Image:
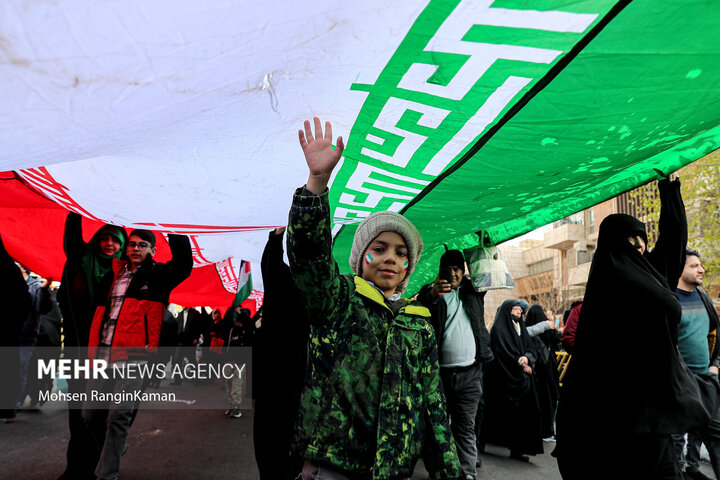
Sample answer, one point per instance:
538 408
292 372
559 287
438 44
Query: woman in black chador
511 418
546 374
621 400
86 282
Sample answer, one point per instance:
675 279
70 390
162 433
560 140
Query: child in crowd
373 403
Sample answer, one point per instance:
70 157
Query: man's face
109 244
638 243
385 262
693 272
456 276
138 250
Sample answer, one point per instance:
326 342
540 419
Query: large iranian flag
463 115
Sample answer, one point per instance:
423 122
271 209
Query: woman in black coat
86 282
512 417
278 377
619 406
630 399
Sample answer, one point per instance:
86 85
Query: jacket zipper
147 337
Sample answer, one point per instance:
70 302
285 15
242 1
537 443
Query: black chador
546 374
627 389
512 416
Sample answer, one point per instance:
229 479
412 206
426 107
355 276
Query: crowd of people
371 381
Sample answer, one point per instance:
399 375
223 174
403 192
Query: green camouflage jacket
373 401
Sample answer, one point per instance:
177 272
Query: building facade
553 271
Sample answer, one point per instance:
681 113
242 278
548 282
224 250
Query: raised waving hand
319 154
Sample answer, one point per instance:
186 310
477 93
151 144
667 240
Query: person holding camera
463 346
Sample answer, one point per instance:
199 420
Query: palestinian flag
245 285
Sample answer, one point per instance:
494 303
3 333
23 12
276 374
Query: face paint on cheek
405 265
368 258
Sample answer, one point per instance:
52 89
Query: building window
541 266
584 257
574 219
591 221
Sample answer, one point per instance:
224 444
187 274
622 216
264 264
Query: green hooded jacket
373 401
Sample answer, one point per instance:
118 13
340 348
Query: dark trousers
109 426
479 415
710 436
463 390
82 454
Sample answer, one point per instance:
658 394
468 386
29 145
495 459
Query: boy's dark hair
689 252
146 235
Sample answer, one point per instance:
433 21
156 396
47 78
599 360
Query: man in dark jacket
463 346
130 323
41 304
190 326
698 345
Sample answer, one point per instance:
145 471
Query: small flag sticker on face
405 265
368 258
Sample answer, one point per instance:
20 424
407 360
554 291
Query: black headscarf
508 347
535 315
643 387
541 342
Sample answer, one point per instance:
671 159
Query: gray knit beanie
378 223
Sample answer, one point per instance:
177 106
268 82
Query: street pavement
186 444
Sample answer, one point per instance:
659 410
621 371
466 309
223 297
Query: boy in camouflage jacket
373 402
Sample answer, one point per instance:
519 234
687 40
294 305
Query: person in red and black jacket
130 322
568 334
132 317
